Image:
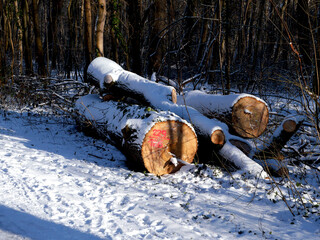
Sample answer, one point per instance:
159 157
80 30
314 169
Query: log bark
245 115
242 145
151 140
111 77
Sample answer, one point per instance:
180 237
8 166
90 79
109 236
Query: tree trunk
114 24
88 35
246 115
157 37
228 46
135 34
2 43
20 36
303 30
57 7
27 53
189 28
100 27
257 44
37 33
152 140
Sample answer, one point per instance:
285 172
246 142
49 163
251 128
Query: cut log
270 155
127 82
111 77
246 115
152 140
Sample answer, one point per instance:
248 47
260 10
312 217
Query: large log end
165 140
250 117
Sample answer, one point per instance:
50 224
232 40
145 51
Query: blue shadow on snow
29 226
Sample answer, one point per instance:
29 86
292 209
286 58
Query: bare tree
54 19
20 35
303 30
135 32
100 27
27 53
37 33
2 42
88 34
157 36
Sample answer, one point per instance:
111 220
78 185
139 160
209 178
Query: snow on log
111 77
240 160
153 140
269 155
246 115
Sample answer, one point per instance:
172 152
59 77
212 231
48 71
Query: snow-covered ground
57 183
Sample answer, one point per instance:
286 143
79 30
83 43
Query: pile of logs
161 131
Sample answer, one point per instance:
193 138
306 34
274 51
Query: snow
56 183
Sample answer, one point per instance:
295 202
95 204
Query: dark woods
230 44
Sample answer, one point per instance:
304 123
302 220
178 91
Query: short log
270 156
150 139
246 115
272 148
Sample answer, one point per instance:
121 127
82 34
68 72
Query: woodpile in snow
161 131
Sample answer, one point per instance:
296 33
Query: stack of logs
162 131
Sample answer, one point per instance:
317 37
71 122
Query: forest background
237 45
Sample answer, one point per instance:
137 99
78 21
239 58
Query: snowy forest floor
57 183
